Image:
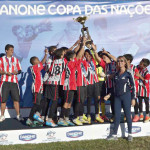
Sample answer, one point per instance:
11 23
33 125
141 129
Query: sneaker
62 123
111 119
37 123
141 117
77 122
30 123
146 119
83 121
112 137
2 118
38 118
19 118
99 119
105 118
136 118
69 123
51 123
89 120
84 117
130 138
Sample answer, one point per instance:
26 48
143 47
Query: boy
9 69
143 87
37 88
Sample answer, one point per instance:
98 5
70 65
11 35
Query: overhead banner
118 26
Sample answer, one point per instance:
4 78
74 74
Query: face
36 61
10 52
73 57
87 56
121 63
106 59
141 65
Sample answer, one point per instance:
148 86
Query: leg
17 107
146 99
140 104
117 109
3 107
136 107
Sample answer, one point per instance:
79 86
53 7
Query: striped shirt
143 85
9 65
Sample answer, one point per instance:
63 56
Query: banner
118 26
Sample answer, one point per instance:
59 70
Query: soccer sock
103 108
52 109
67 113
63 111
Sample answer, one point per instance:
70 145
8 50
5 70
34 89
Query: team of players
74 75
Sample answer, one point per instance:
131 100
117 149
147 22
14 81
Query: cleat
105 118
146 119
62 123
30 123
99 119
2 118
89 120
51 123
69 123
136 118
77 122
38 118
84 117
141 117
83 121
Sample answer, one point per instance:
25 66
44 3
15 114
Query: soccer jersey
37 86
57 72
143 85
70 75
9 65
92 76
47 67
81 72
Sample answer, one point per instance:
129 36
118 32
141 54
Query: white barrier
89 132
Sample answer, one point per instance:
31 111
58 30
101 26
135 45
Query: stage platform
15 132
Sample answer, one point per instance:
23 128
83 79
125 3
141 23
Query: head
88 55
65 49
59 53
129 58
51 49
34 60
70 55
9 49
144 63
105 57
2 54
122 62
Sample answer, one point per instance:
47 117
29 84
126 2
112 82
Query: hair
128 57
69 55
58 53
32 59
88 51
8 46
125 60
51 48
145 62
2 54
64 48
101 54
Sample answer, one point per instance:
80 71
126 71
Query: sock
103 108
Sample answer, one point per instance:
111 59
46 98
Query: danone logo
135 129
27 137
74 134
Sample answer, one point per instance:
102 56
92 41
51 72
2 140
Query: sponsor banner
89 132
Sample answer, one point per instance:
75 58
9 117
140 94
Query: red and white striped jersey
110 69
70 75
9 65
37 85
143 85
92 76
57 72
81 72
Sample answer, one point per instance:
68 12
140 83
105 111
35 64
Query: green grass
142 143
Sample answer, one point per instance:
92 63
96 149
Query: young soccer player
56 78
9 69
92 87
143 87
37 89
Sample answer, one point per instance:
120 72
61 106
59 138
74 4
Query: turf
142 143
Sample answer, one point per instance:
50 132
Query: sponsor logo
74 134
135 129
3 137
50 136
27 137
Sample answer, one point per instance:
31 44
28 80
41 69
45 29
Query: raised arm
45 56
111 56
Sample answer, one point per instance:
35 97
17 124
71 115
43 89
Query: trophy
84 30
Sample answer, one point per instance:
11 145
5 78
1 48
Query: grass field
142 143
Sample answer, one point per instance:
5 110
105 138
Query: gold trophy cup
84 30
